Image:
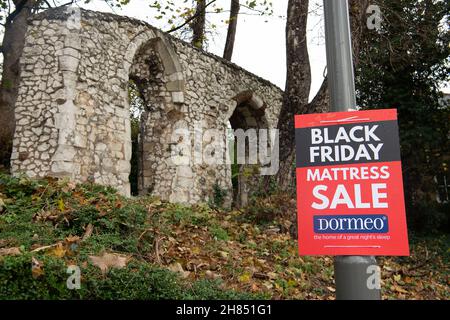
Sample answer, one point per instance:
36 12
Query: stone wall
72 112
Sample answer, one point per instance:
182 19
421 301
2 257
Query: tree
191 22
298 81
232 27
402 66
198 24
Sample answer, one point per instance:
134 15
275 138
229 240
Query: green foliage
138 281
33 217
219 233
207 290
177 214
260 213
136 109
17 281
430 217
219 196
176 18
402 66
49 232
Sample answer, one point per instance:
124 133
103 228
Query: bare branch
191 18
18 7
261 12
48 4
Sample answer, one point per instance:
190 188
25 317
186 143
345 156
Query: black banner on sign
348 144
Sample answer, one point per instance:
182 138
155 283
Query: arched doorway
156 84
247 121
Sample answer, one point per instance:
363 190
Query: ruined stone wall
72 112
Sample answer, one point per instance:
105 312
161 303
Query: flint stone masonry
72 111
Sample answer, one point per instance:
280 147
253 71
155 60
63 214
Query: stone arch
159 78
249 113
72 111
172 67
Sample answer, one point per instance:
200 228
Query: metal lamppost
351 272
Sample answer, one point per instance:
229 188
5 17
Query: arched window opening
136 109
249 116
232 148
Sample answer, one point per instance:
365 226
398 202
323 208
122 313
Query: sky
259 45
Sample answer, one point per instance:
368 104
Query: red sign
349 184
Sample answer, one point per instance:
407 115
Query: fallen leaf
61 205
261 276
224 254
292 283
400 289
36 268
331 289
211 275
408 280
59 251
177 268
387 268
2 205
268 285
244 278
71 185
255 288
72 239
15 251
109 260
397 278
88 232
44 248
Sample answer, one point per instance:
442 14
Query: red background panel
397 245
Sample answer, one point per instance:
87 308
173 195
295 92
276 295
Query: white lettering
318 195
341 197
376 195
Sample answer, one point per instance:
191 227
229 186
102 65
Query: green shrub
210 290
219 233
429 218
219 196
37 213
138 281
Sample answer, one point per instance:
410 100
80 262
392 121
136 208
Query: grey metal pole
350 272
339 55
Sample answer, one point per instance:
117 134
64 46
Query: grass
174 251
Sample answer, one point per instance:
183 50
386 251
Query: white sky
259 46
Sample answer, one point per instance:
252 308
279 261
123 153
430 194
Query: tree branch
261 12
191 18
18 7
47 3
